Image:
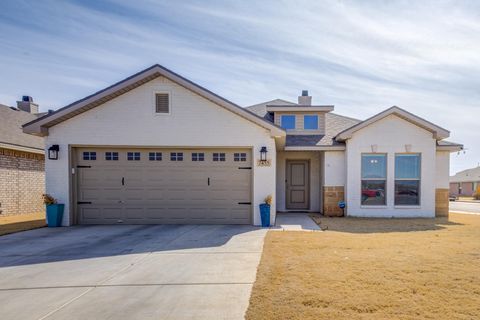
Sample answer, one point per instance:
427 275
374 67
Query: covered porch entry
310 181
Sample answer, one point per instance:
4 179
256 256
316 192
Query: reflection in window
407 179
374 177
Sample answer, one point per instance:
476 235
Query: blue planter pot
55 215
265 214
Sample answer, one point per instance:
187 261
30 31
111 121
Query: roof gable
41 125
437 131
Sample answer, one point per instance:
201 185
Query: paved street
465 207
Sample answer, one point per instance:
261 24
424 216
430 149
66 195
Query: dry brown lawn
371 269
11 224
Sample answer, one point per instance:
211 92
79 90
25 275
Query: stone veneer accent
22 182
331 197
441 202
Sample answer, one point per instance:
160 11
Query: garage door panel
143 191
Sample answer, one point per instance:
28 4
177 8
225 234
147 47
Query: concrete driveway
129 272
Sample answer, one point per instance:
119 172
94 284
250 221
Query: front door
298 185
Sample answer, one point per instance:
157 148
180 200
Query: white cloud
361 56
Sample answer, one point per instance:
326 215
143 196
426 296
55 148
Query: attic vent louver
162 103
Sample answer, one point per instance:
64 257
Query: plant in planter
54 211
265 211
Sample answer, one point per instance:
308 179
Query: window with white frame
407 179
374 179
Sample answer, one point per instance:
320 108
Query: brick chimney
27 105
305 99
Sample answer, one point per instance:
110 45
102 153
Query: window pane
407 192
407 166
310 122
373 192
374 166
288 122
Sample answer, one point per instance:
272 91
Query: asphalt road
466 207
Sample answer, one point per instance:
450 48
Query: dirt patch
12 224
371 269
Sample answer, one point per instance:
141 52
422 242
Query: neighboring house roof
11 134
469 175
41 125
438 132
261 108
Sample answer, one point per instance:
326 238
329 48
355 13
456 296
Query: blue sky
361 56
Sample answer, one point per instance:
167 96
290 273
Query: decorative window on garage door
240 157
176 156
111 156
89 155
219 156
133 156
198 156
155 156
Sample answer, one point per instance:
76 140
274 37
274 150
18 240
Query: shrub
48 199
268 200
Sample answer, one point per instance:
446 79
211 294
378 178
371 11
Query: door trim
308 187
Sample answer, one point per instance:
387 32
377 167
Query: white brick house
157 148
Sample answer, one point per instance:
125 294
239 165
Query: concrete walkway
295 222
129 272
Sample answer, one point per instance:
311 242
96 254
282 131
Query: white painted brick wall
391 134
130 120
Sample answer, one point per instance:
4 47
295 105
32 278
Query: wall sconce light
263 155
53 152
374 148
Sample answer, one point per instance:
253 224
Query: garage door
155 186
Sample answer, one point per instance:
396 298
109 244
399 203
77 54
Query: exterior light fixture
53 152
263 155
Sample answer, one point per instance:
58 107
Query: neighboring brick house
465 182
22 161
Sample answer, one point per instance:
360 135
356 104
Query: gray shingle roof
469 175
11 133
